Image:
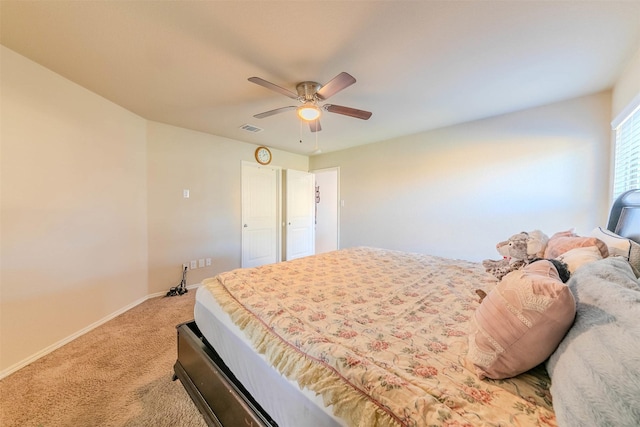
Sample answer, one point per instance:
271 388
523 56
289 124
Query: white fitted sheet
282 398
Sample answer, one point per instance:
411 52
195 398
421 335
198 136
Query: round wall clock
263 155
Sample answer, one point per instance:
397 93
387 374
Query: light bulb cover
308 112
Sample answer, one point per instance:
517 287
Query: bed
373 337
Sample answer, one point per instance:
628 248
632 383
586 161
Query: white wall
627 88
457 191
74 208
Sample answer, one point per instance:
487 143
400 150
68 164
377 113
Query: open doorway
327 209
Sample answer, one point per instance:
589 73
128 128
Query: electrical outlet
185 265
208 262
201 263
194 264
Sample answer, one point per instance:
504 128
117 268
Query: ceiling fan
310 94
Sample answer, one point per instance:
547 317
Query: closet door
299 214
260 215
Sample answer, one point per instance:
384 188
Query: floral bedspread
382 336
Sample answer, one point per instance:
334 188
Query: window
627 150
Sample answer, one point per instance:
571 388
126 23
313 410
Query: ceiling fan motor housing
307 90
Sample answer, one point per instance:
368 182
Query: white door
327 209
260 213
299 211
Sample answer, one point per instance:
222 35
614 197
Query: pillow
567 233
595 380
520 322
577 257
560 244
619 246
634 255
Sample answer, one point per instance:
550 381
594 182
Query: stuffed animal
517 252
563 273
562 268
524 245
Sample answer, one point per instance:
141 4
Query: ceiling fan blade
346 111
314 125
276 111
276 88
336 84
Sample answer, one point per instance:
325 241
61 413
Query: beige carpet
119 374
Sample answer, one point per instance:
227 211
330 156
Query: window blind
627 154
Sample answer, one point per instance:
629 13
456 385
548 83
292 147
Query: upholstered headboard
624 219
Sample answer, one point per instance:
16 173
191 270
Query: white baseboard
13 368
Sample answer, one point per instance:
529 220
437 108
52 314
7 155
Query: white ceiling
419 65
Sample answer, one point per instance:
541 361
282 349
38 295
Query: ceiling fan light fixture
308 112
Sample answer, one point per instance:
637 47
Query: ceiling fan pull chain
316 141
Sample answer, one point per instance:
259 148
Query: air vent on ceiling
251 128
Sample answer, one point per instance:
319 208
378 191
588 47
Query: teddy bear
518 251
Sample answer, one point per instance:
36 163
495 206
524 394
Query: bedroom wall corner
207 224
73 203
627 87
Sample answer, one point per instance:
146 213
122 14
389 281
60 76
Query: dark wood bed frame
220 397
224 402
